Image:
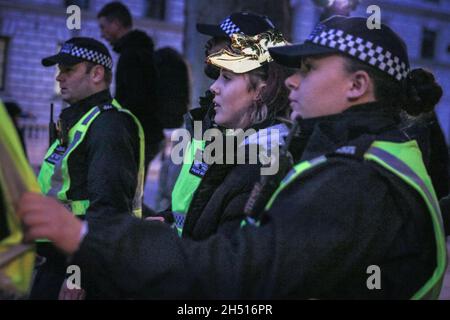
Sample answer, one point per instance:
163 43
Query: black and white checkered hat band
229 27
91 55
365 51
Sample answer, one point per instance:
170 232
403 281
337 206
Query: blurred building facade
33 29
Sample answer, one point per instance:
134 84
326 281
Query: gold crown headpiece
247 52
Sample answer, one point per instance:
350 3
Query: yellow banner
16 177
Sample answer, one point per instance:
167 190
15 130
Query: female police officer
356 218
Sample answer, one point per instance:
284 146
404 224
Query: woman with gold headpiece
250 98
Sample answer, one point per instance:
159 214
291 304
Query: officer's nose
293 81
59 77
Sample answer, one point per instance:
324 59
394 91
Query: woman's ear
360 86
259 90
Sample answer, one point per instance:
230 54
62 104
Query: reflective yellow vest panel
186 184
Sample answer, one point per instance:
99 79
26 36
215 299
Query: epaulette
354 149
358 147
106 107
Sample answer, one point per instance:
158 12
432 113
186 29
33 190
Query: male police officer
95 166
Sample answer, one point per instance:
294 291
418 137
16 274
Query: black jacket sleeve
321 235
113 157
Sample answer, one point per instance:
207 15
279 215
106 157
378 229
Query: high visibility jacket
405 161
16 177
188 180
54 177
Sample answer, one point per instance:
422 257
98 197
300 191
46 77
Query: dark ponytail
422 92
418 93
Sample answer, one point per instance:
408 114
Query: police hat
247 23
380 48
81 49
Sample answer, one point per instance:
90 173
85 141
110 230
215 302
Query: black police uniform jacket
318 239
105 166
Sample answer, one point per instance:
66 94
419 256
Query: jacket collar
264 136
74 112
203 114
326 134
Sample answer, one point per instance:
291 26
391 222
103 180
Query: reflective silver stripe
403 168
318 160
312 163
288 176
57 179
90 116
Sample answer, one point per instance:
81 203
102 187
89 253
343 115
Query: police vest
16 177
54 177
405 161
188 180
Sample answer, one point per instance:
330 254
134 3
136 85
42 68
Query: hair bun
422 92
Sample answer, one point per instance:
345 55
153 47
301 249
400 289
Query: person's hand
71 294
46 218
